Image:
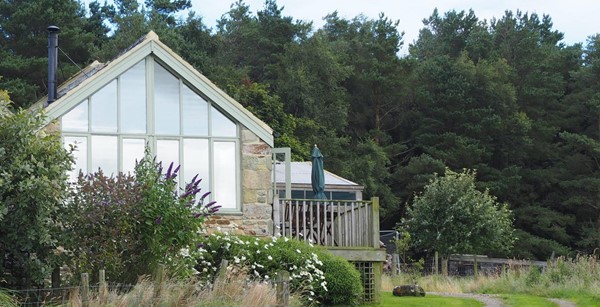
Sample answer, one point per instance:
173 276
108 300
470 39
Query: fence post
283 289
158 280
475 267
445 266
435 262
395 264
85 290
223 270
102 289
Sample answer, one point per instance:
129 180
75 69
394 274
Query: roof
96 75
301 173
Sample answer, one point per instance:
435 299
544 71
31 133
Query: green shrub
33 186
315 273
344 286
130 224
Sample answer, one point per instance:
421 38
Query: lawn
388 300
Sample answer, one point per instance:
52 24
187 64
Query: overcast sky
577 19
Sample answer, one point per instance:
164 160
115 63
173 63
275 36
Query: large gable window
149 104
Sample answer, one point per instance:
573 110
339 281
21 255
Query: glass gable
148 104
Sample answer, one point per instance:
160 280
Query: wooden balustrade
330 223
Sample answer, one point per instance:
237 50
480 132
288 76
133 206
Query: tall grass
562 278
232 290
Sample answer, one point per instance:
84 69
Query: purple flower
159 220
201 245
210 204
204 196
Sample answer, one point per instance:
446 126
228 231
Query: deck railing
339 223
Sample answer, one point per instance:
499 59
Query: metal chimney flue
52 62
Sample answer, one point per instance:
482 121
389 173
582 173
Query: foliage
505 96
452 217
130 224
33 166
314 272
8 300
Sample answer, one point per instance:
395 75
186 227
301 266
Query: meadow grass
576 279
232 290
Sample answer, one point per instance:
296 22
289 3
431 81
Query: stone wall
256 217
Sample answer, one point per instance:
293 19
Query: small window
166 101
195 113
224 190
105 154
133 99
104 108
80 155
221 125
77 119
133 150
195 162
167 152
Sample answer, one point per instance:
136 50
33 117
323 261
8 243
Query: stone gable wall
256 217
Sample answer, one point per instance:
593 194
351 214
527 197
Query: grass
388 300
526 300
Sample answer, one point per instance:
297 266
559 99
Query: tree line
506 97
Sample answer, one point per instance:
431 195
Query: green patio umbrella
317 178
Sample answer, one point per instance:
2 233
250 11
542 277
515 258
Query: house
150 96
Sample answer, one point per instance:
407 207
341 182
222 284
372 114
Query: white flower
286 239
270 258
298 251
236 259
185 252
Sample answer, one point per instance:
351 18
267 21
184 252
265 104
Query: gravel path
492 300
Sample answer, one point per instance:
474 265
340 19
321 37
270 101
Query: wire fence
150 291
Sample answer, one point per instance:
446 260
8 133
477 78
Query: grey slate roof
301 171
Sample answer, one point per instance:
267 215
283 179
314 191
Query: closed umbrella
317 175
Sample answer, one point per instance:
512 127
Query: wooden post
435 263
278 224
159 280
283 289
375 231
475 267
395 258
85 290
223 269
445 267
102 289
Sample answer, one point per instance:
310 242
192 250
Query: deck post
277 225
375 233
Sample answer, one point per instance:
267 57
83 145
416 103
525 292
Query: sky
577 19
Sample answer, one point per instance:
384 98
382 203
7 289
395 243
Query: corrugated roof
301 173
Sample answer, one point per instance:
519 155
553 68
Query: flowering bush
263 258
127 225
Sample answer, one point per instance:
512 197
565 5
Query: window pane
104 108
167 151
221 125
133 150
195 113
343 195
225 182
166 101
104 154
80 155
77 118
195 161
133 99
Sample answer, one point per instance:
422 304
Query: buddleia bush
128 224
